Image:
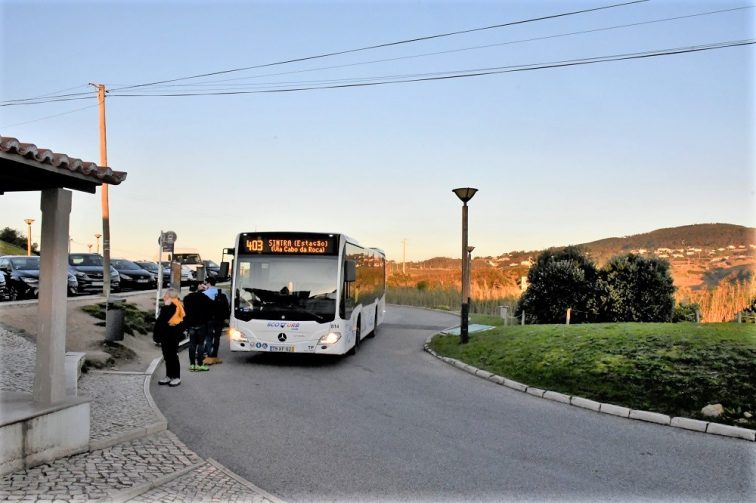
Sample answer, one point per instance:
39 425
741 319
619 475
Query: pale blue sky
560 156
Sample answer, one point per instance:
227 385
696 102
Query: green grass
9 249
674 369
135 320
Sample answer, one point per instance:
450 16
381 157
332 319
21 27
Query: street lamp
28 221
89 245
465 194
97 237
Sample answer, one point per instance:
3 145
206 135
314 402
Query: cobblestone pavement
119 404
154 467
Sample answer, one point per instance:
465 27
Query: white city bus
301 292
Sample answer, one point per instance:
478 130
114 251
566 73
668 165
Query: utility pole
104 194
404 255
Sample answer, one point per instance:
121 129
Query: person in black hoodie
168 332
199 312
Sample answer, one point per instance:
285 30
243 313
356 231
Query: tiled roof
62 162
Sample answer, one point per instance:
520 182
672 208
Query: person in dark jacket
221 312
199 312
168 332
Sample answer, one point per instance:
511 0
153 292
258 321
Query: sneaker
164 380
203 367
193 367
209 360
174 382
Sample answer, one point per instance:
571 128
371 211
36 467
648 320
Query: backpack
221 307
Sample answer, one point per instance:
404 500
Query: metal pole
463 335
28 221
160 275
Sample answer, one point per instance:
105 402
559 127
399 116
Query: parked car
21 274
4 295
132 275
213 270
186 274
88 269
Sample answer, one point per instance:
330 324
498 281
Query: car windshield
85 260
25 263
290 288
126 265
187 258
148 266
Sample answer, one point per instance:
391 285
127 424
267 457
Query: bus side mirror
223 271
350 271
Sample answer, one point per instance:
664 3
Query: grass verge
674 369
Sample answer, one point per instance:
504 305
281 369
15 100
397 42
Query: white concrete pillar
49 372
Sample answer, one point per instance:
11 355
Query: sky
560 155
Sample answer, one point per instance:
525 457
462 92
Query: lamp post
28 221
89 245
465 194
97 237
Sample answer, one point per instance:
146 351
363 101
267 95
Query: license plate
142 280
97 283
282 349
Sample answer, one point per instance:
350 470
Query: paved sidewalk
132 457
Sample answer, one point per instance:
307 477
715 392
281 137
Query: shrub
637 289
561 279
685 311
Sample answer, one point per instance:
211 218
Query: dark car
213 270
132 275
88 269
22 277
150 267
4 295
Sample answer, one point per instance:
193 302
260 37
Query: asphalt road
393 423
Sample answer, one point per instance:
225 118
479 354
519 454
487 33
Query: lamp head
465 193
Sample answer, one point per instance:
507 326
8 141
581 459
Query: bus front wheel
357 333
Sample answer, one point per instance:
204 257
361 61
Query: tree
561 279
636 288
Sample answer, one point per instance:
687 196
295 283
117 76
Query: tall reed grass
723 303
449 299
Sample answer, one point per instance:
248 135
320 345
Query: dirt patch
134 353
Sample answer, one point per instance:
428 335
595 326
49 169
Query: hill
701 256
703 236
9 249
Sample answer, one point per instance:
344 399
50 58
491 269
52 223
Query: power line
384 45
48 117
347 83
449 51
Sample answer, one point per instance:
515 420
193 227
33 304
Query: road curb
246 483
602 408
124 495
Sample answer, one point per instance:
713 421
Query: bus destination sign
289 244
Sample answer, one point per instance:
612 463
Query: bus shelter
47 424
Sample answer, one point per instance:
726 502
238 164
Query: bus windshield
286 288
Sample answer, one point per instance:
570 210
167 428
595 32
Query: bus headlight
235 335
330 338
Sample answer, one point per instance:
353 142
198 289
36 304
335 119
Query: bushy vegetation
628 288
135 320
674 369
561 279
17 239
636 288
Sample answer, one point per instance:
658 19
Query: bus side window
350 271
